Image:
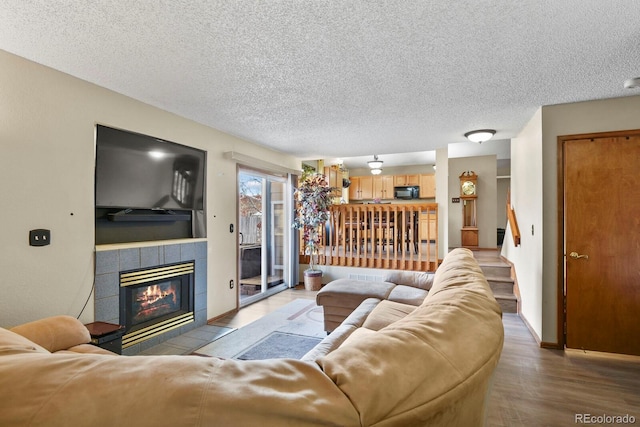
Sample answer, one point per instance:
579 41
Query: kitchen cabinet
361 188
383 187
427 186
428 227
334 177
405 180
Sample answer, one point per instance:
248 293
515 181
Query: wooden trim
560 282
551 345
531 330
513 221
516 286
220 316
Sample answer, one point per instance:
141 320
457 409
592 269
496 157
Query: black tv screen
135 171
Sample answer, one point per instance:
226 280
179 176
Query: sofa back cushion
416 279
459 269
12 343
386 313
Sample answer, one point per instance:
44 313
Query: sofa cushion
408 295
357 335
416 279
55 333
12 343
353 322
88 349
350 293
385 313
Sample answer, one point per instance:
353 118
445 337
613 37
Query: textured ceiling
321 79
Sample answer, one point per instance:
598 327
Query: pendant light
375 163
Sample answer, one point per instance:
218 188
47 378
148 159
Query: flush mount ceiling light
375 163
480 135
633 83
376 171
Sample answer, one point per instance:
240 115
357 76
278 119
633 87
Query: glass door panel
262 235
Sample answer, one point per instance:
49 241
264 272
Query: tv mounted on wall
142 178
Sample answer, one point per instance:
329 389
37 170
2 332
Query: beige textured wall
526 195
47 123
485 168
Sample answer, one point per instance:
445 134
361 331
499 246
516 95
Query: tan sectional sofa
396 365
341 297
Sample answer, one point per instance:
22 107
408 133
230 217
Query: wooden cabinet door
428 228
377 187
383 187
387 187
427 186
334 178
354 188
366 187
413 180
399 180
404 180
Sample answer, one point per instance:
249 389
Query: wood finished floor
532 386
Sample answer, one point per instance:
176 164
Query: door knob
575 255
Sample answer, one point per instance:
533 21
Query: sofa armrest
55 333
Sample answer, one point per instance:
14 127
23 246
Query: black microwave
408 192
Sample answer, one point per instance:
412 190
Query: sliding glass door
263 234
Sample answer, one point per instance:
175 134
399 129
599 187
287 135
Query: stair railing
513 221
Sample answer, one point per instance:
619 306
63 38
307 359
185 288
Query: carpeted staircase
498 274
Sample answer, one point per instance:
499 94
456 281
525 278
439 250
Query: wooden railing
513 221
388 236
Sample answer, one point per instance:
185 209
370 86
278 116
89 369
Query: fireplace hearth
156 300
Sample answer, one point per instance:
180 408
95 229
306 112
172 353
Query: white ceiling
339 79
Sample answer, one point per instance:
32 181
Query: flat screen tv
137 172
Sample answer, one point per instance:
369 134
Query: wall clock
468 188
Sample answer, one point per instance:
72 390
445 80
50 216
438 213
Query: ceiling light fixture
375 163
480 135
633 83
376 171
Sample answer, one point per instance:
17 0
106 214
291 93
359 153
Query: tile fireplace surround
112 259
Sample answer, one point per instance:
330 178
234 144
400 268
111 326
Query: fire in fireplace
155 300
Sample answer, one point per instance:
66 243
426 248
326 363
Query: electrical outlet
231 284
39 237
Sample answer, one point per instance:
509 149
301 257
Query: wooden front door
602 241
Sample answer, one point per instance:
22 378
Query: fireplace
156 300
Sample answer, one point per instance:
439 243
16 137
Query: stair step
496 270
501 286
498 274
508 302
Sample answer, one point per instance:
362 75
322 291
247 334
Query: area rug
279 345
299 318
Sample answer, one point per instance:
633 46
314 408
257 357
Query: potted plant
313 198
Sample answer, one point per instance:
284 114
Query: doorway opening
262 235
